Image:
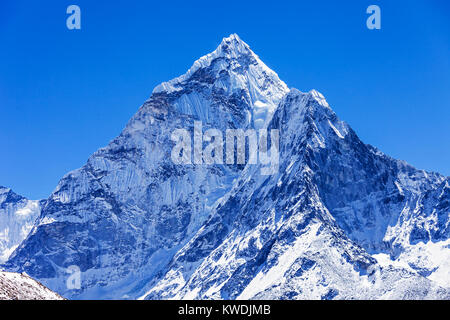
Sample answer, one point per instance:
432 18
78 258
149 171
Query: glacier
17 217
339 220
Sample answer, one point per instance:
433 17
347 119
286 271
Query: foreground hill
16 286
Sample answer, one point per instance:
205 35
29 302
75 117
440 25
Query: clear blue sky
64 94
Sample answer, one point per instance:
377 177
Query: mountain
17 218
337 219
16 286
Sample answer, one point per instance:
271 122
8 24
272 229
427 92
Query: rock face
338 220
17 218
16 286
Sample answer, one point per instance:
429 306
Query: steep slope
16 286
123 216
17 218
275 237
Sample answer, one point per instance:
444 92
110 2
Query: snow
262 281
335 130
263 100
17 218
319 98
432 257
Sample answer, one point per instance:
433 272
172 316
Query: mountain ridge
211 274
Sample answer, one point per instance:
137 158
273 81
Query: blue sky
64 94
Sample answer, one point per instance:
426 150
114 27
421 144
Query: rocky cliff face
338 219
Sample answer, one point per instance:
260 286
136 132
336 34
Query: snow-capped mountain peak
231 48
232 70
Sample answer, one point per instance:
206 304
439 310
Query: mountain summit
231 71
339 219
